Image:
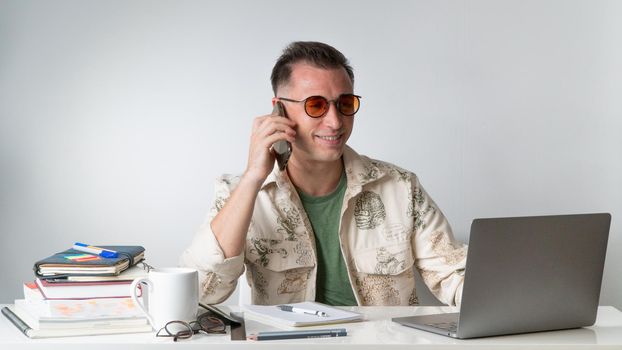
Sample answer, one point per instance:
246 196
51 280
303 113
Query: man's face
320 139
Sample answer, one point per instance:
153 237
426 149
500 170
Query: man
335 226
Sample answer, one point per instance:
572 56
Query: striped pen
104 253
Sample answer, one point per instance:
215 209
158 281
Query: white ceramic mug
172 294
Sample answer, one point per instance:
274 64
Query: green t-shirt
333 285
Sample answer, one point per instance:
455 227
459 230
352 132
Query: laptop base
443 324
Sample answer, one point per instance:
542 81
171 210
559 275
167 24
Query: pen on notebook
104 253
298 310
313 333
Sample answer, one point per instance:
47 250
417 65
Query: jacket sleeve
438 256
217 276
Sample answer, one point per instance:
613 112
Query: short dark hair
312 52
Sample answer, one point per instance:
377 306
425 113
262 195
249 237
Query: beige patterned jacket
389 226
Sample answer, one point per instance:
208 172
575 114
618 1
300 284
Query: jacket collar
360 171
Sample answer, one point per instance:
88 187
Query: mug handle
137 301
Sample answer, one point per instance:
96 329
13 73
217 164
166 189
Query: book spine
17 322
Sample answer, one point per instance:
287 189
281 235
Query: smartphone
282 149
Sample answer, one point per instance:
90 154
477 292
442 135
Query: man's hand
267 130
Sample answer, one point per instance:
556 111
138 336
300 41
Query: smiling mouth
330 138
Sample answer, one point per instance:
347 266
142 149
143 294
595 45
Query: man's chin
323 156
330 156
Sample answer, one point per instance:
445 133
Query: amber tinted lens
316 106
348 104
183 335
212 324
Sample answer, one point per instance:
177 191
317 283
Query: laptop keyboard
448 326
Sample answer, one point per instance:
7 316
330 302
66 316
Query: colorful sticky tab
81 257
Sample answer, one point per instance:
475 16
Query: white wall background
116 116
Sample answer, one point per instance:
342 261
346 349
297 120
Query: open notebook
273 314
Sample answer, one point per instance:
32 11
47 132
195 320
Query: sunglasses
317 106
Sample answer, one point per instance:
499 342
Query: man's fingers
273 129
262 122
269 127
270 140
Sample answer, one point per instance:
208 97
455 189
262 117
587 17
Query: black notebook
72 262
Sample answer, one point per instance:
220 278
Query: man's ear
274 99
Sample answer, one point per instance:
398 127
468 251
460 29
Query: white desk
377 332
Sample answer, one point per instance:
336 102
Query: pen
298 310
104 253
313 333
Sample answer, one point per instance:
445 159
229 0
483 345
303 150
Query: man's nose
332 117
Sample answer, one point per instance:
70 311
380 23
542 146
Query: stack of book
76 293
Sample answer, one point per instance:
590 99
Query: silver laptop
527 274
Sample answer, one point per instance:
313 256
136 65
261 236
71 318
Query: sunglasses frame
328 102
217 326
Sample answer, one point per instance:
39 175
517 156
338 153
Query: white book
83 290
136 271
81 308
29 315
273 314
31 332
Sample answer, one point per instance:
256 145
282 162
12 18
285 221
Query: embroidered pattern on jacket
418 197
289 223
413 299
219 203
396 232
211 282
418 215
444 247
264 247
377 290
304 251
401 174
295 281
386 263
432 280
370 174
416 201
259 285
369 211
